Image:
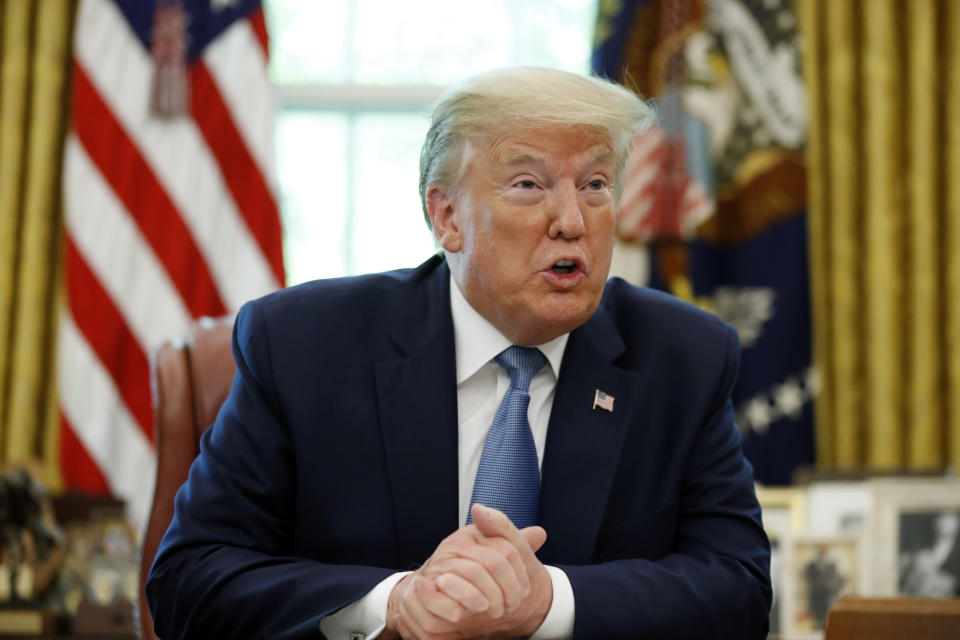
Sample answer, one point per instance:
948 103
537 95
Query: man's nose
567 219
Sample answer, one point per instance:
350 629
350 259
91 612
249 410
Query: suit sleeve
226 567
715 583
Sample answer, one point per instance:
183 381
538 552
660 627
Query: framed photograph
818 570
784 509
837 507
101 565
916 546
783 515
777 587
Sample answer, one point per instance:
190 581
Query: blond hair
509 100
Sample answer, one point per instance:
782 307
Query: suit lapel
583 444
418 420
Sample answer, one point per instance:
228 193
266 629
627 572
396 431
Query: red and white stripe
167 220
660 199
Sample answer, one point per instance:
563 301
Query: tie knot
522 363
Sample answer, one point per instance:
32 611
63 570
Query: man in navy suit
334 494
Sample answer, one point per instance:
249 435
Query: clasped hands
483 581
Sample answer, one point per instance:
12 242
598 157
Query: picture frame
838 506
915 537
818 570
783 510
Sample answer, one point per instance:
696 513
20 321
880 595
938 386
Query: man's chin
555 320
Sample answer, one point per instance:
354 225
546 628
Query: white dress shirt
481 385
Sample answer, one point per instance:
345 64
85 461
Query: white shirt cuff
558 625
366 617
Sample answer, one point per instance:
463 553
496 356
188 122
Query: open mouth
564 267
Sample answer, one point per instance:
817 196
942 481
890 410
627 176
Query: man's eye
527 184
597 185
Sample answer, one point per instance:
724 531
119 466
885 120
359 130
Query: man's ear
443 208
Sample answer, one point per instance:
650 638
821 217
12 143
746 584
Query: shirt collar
477 341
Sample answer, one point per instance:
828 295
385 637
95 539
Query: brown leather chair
190 380
894 619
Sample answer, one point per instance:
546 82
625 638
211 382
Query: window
355 80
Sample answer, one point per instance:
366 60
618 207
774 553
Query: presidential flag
171 213
719 192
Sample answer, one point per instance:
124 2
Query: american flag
169 217
660 198
603 400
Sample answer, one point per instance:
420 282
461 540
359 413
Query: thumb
490 521
535 536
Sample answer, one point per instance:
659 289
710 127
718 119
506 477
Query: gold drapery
884 167
34 76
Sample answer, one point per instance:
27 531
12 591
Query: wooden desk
894 619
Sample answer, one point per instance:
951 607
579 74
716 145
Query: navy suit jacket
333 463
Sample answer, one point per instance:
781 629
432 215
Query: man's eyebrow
526 157
523 157
602 155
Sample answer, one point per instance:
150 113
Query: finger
469 597
412 613
493 522
402 628
511 555
408 628
535 536
420 622
440 603
502 561
490 521
404 617
477 575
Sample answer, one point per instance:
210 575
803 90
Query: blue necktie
508 478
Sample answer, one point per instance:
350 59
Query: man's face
529 229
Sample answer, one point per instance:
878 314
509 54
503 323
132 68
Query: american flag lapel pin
603 400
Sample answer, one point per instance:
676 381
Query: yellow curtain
34 80
884 169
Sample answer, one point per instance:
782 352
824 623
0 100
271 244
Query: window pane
388 228
424 41
308 40
310 151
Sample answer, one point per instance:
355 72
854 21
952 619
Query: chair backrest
190 380
894 619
